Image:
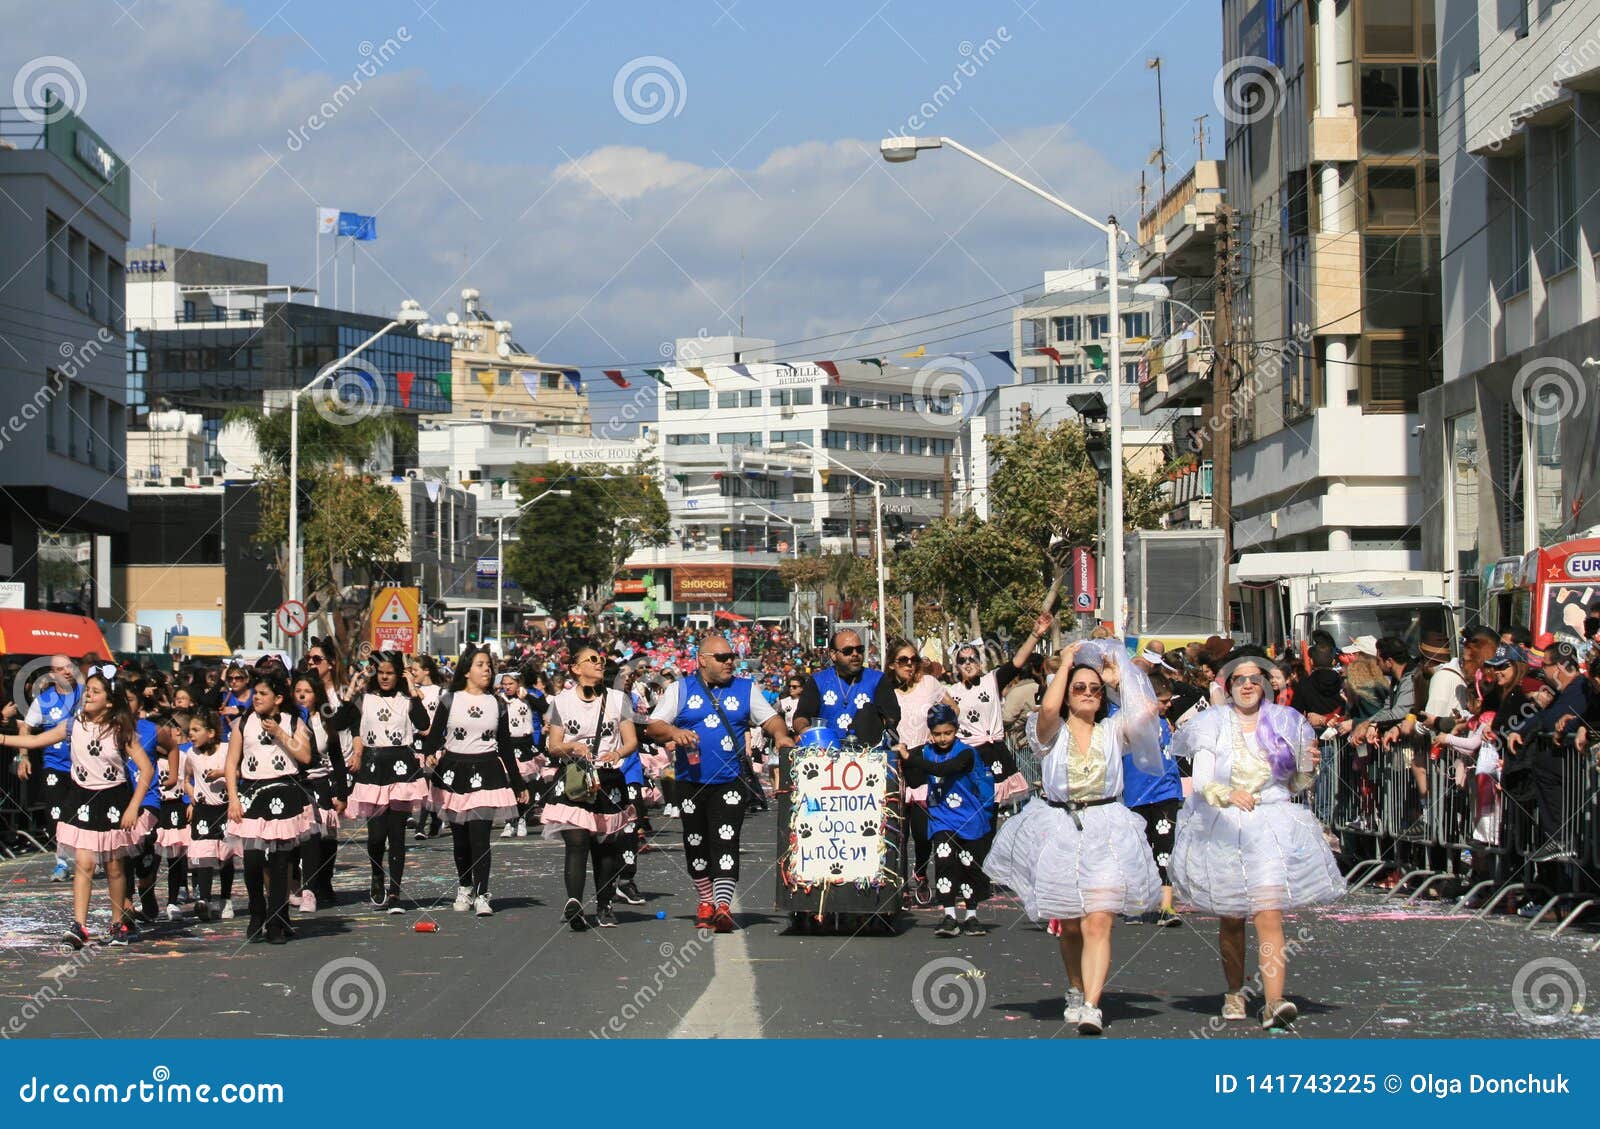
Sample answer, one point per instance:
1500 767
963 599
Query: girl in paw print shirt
980 700
960 820
388 719
204 768
474 771
101 811
270 812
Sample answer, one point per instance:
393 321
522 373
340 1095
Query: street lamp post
877 527
899 149
500 563
411 313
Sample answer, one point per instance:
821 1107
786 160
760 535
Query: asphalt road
1365 967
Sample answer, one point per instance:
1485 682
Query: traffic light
819 631
474 625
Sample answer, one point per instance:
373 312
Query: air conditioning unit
787 412
191 472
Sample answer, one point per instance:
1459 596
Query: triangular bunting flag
919 351
486 381
530 384
700 372
873 361
615 376
830 368
1004 357
444 381
744 371
403 382
575 377
1053 354
1097 356
432 487
657 375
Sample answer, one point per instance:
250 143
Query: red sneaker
705 916
723 921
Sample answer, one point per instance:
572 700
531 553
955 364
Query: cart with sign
840 834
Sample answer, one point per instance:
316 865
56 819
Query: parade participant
979 698
916 693
236 698
520 725
172 821
204 769
706 717
100 814
847 697
960 795
425 683
1078 856
1156 799
1243 850
468 756
159 741
387 719
329 783
591 733
269 811
58 701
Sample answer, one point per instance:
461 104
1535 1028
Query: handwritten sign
837 816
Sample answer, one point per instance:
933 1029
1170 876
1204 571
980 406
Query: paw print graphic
83 813
965 857
692 840
476 781
846 718
110 772
1163 859
836 868
94 747
727 744
730 704
1163 826
276 806
474 712
384 713
459 733
972 717
688 807
488 734
399 768
81 773
983 696
942 851
869 828
966 889
574 726
608 728
952 800
560 789
725 831
830 699
731 796
996 768
371 739
695 702
805 831
872 780
279 764
615 796
811 772
250 763
862 700
725 862
713 723
698 864
943 885
202 828
449 778
627 858
264 737
55 813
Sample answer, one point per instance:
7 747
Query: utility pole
855 544
1222 365
948 486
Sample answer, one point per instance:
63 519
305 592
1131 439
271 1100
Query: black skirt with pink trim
91 820
470 787
1009 784
390 778
172 829
279 815
208 837
608 815
323 793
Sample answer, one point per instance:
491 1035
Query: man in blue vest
847 697
55 703
706 719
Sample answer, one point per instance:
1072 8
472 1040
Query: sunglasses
965 659
1258 679
906 660
318 659
723 657
590 659
857 650
1094 689
237 677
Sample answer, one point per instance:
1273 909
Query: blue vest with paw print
719 749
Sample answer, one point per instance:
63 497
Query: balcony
1180 367
1177 232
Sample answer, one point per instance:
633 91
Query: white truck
1409 606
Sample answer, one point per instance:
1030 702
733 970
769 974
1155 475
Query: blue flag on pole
357 226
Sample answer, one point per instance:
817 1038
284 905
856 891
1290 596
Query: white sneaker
1090 1021
1074 1005
173 912
463 900
522 829
481 906
508 830
1278 1013
227 910
1233 1006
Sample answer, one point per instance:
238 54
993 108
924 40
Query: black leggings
387 831
917 820
471 842
632 842
712 816
203 876
266 881
316 866
177 878
584 848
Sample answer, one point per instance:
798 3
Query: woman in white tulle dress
1078 856
1243 849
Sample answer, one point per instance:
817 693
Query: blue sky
492 147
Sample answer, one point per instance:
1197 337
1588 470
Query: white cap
1156 659
1363 645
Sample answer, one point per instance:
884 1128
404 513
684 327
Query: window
1397 370
503 378
1065 328
93 290
55 267
1563 199
550 380
1130 372
1033 333
793 397
688 401
1097 326
701 440
1388 27
188 311
1069 374
55 419
742 398
739 438
1391 196
1136 324
77 267
1391 118
790 437
1515 203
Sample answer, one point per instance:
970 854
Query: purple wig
1278 732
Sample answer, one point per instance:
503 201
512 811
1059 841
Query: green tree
971 567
